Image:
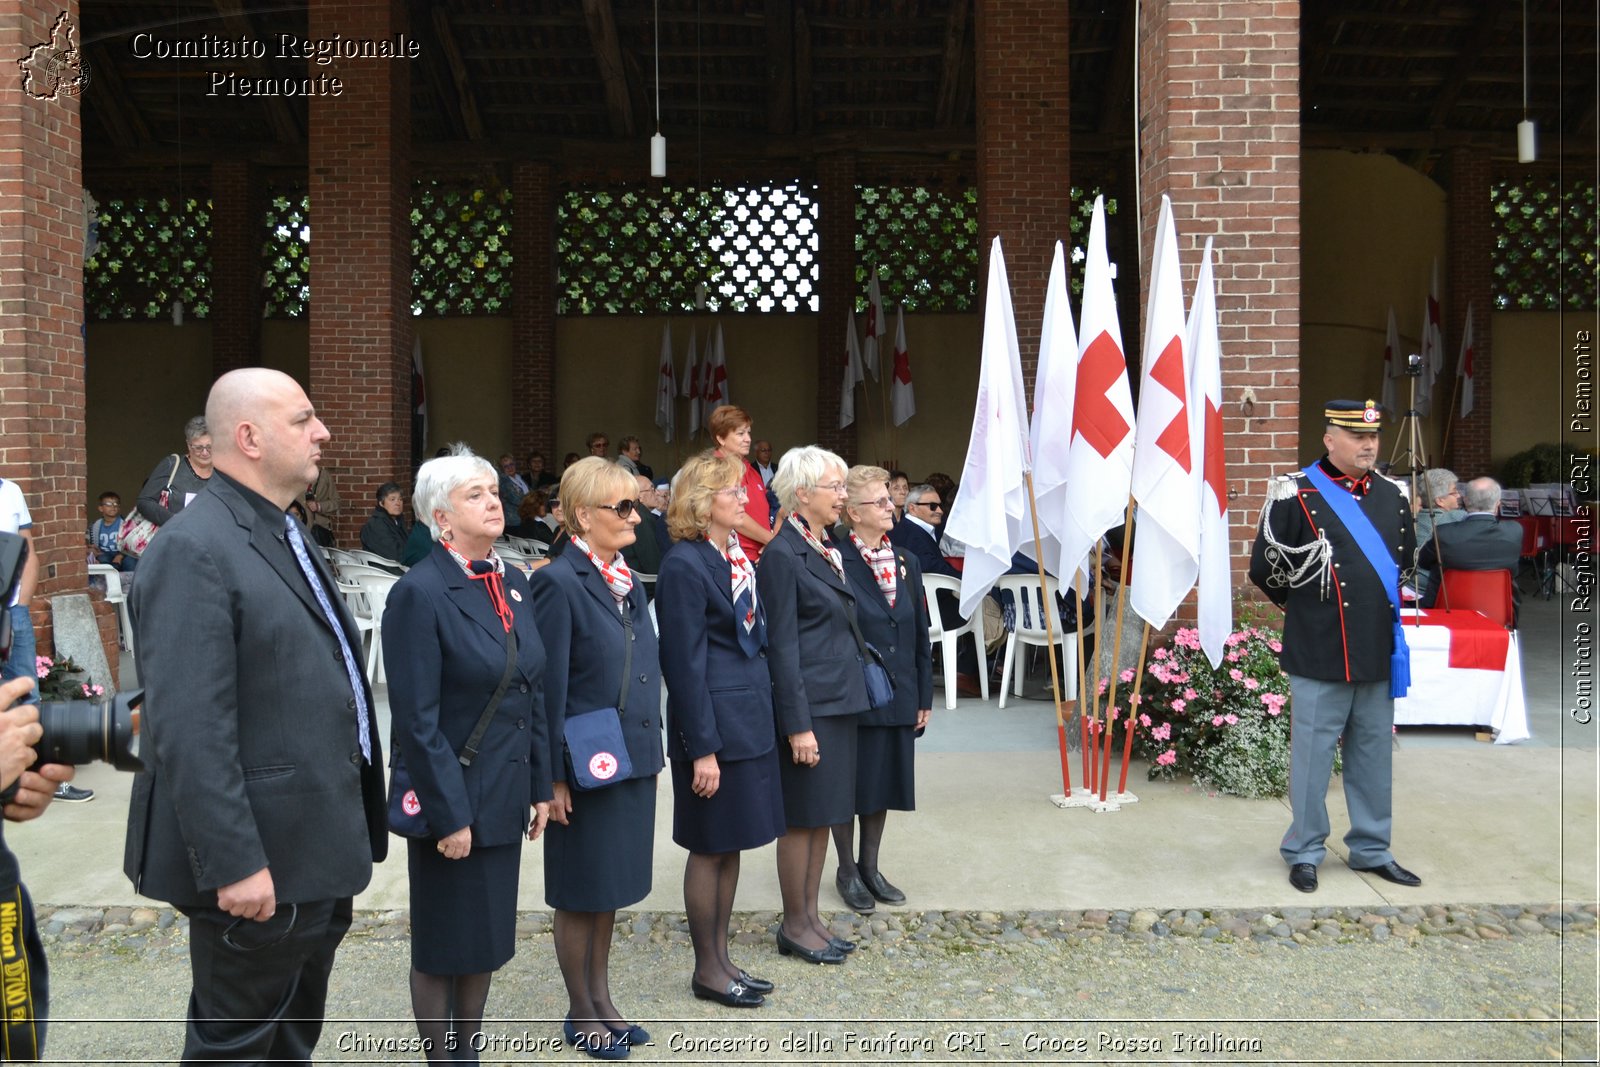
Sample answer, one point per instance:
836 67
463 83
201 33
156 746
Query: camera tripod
1408 443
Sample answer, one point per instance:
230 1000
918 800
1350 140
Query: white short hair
438 478
804 468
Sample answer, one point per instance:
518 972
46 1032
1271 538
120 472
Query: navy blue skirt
824 795
746 811
886 769
601 862
463 912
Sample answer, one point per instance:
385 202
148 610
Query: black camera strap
24 976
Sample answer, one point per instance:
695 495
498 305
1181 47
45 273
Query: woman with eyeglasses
459 632
721 739
817 689
600 653
729 427
899 486
177 479
893 615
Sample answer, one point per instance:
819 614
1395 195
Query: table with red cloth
1466 670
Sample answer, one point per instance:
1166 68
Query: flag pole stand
1084 793
1048 610
1091 747
1116 646
1132 722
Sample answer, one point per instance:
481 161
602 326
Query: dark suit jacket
718 698
583 645
444 654
1479 542
925 547
816 667
249 727
900 634
644 555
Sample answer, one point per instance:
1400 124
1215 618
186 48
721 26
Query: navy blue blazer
900 634
444 652
816 666
719 700
583 637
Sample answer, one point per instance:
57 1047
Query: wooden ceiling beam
111 103
238 26
466 101
602 25
780 16
955 55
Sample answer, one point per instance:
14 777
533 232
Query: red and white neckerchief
830 554
491 572
744 579
618 578
881 560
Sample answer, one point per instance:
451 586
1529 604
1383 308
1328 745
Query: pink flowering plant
1225 726
62 679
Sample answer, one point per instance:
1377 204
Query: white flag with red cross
1215 607
872 342
666 388
852 374
1464 366
902 398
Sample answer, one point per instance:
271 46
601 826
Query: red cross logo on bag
410 804
602 765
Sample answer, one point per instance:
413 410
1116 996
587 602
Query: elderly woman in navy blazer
817 688
893 616
447 630
720 729
597 853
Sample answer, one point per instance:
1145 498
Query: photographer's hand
250 898
19 730
34 790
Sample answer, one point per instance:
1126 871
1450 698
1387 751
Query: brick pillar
1219 107
836 289
41 299
1024 186
361 259
1468 280
533 313
237 201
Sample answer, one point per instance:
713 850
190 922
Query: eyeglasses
832 487
737 490
204 450
931 505
247 935
882 503
623 508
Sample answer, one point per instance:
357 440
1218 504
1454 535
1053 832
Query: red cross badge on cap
1369 413
602 765
410 804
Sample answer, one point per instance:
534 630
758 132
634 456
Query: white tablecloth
1445 695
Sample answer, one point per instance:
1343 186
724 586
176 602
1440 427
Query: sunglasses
934 506
623 508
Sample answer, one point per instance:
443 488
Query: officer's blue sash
1372 547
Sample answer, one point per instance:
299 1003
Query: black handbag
406 817
880 690
597 753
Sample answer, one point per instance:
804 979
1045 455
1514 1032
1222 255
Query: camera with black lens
1414 364
75 731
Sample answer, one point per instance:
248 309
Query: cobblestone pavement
1439 984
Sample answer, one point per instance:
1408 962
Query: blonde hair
590 482
856 479
697 482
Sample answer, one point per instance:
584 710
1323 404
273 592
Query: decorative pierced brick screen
460 249
625 251
1544 245
924 243
153 250
286 254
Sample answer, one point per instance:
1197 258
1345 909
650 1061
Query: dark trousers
261 1004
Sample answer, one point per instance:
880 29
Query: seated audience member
537 476
529 512
644 555
513 487
945 486
1479 542
630 457
298 510
1438 502
597 443
547 524
385 532
103 533
899 486
566 461
918 534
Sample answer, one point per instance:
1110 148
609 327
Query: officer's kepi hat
1357 416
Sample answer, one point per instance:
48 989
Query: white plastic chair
355 571
931 584
338 557
115 595
371 559
1029 629
375 591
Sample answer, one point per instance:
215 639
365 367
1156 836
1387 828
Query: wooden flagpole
1450 421
1116 648
1091 750
1048 611
1132 722
1083 678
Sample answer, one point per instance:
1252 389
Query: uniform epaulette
1283 487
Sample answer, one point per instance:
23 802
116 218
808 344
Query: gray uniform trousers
1363 712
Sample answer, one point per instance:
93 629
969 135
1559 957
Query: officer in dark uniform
1338 636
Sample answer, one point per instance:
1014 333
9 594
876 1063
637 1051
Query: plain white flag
1215 601
1464 366
716 372
1050 428
1432 345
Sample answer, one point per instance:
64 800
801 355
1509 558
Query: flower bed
62 679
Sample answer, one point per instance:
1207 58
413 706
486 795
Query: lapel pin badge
516 595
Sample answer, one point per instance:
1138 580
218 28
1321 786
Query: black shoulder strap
469 751
627 655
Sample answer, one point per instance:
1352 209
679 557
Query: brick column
533 313
236 236
1219 108
1468 280
836 289
1024 180
361 259
41 298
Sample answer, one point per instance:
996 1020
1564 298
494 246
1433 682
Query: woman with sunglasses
817 689
600 653
720 727
893 615
451 625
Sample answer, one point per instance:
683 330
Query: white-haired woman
817 688
176 480
601 654
458 632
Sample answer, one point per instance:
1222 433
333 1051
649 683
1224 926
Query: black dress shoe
1303 876
855 894
1391 872
736 995
879 887
757 985
826 954
840 945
